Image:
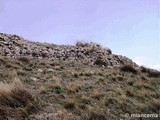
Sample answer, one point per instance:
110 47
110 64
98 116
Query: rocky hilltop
91 53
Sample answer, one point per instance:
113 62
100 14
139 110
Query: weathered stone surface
91 53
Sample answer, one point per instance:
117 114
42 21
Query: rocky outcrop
91 53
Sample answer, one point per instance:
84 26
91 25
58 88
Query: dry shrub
128 68
154 73
15 101
100 62
144 69
150 72
24 59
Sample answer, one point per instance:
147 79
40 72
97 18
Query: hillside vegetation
61 90
83 82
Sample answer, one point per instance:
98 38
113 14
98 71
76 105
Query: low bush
24 59
144 69
150 72
128 68
100 62
153 73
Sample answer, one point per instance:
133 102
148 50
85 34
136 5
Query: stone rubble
91 53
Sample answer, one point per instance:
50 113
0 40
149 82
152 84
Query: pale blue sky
128 27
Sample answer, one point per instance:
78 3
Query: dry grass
85 99
15 101
43 90
76 92
96 115
56 82
123 99
73 87
97 95
87 72
69 103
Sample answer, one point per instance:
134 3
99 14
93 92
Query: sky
128 27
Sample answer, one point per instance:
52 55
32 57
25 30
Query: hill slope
78 82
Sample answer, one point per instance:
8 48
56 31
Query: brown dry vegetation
74 91
15 101
150 72
128 68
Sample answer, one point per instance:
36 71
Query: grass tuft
15 101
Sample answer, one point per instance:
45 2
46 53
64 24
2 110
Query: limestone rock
91 53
